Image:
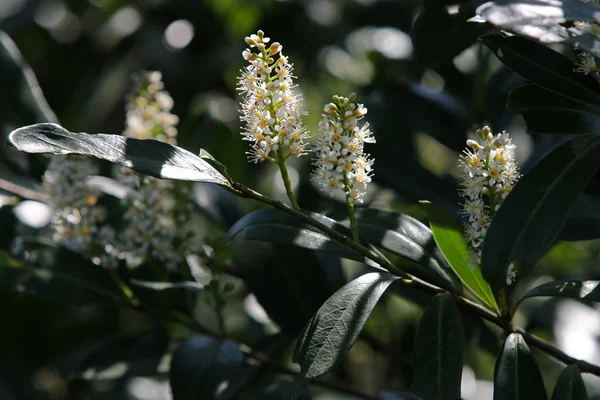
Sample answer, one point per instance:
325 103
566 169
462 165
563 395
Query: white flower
587 64
341 162
488 174
511 274
271 111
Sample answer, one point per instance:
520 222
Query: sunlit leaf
160 286
151 157
582 290
448 236
329 335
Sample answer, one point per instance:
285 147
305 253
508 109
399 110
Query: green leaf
570 385
584 220
332 331
548 112
448 236
516 376
200 365
582 290
431 48
532 215
151 157
438 356
544 67
160 286
399 395
543 20
71 280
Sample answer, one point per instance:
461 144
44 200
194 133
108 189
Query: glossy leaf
584 220
544 67
160 286
543 20
581 290
516 375
150 157
535 211
332 331
548 112
438 355
200 365
570 385
448 236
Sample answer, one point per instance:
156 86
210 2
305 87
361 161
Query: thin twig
410 280
22 191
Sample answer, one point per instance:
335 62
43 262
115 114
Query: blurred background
417 67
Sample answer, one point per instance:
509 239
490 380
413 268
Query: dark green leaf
431 48
516 375
543 20
544 67
290 283
534 212
584 220
399 395
160 286
329 335
150 157
200 365
448 236
405 236
438 356
548 112
582 290
70 280
570 385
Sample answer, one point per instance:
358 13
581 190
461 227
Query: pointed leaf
438 355
448 236
534 212
329 335
516 376
548 112
584 220
544 67
151 157
582 290
201 365
570 385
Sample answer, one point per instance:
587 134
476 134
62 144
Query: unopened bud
331 109
473 144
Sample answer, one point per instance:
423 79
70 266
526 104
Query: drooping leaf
448 236
543 20
438 355
332 331
584 221
533 214
544 67
548 112
570 386
160 286
151 157
290 283
200 365
69 280
516 375
582 290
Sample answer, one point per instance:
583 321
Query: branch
410 280
22 191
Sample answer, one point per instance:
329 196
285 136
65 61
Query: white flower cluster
149 110
154 226
587 63
75 214
489 172
270 109
341 162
